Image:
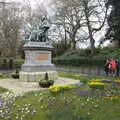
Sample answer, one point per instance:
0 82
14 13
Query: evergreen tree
113 31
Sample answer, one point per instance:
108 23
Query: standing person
118 68
113 66
107 65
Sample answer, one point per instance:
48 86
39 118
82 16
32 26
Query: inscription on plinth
42 56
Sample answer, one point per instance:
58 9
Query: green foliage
79 62
18 62
84 58
113 33
16 74
60 47
46 76
72 75
1 75
11 63
83 78
68 105
3 90
45 83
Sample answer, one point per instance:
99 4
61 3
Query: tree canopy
113 32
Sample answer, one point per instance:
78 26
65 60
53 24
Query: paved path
18 87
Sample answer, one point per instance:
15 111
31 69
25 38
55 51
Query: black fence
90 70
83 70
9 65
79 62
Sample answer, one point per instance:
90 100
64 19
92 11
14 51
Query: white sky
46 4
34 2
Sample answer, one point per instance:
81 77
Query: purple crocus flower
2 103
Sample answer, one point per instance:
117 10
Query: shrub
60 88
84 57
84 80
1 75
46 76
46 82
11 63
16 76
79 61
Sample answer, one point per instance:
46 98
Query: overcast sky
46 4
33 2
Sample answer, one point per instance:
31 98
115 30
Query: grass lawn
68 105
3 90
84 78
78 103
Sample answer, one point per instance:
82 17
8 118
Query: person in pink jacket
113 66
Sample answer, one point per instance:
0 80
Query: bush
84 80
46 82
84 57
11 63
79 62
1 75
16 76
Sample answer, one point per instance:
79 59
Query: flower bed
117 81
96 84
45 83
60 88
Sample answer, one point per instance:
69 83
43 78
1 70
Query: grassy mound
84 57
99 54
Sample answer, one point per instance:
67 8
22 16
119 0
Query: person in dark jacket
118 68
107 67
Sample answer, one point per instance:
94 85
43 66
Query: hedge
79 62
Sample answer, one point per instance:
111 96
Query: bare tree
9 28
69 16
95 16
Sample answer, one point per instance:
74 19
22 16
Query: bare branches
10 28
103 23
70 17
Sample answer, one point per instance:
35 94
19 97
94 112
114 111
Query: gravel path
18 87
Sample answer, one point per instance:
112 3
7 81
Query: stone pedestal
37 76
37 62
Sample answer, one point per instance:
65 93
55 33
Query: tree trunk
92 41
73 42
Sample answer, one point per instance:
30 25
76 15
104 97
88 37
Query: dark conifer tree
113 32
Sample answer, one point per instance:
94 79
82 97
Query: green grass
82 57
104 53
68 105
3 76
83 78
2 90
